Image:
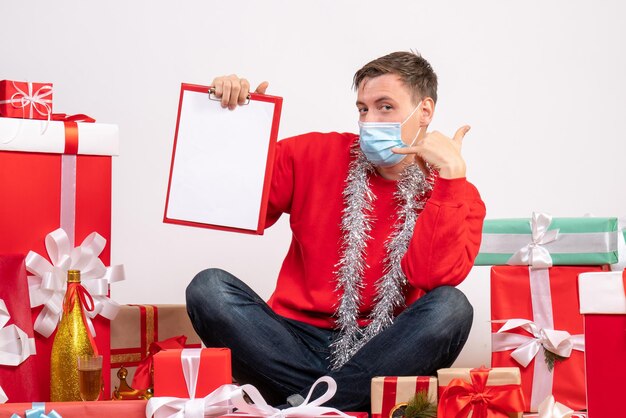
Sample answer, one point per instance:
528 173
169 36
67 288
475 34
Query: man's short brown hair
412 69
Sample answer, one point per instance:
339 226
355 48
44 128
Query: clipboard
222 161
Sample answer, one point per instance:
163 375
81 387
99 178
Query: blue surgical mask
378 138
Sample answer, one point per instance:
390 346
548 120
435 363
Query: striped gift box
579 241
138 326
390 394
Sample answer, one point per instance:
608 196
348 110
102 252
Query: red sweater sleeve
446 237
281 189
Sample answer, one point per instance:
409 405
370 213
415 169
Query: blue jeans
283 357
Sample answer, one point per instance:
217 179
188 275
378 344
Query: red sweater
308 180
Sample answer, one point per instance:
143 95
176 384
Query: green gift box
542 241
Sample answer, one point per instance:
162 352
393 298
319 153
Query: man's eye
362 110
386 107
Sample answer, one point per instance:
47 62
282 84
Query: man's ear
427 111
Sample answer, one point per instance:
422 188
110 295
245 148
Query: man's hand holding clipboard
204 190
234 91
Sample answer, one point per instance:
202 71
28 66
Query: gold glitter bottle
71 341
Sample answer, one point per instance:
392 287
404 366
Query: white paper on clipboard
219 173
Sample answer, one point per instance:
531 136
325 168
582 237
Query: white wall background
541 82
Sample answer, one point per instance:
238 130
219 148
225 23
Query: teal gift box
542 241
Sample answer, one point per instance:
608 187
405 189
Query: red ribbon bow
143 376
71 129
76 290
460 397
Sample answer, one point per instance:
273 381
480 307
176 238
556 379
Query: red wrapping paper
605 347
19 100
20 383
97 409
30 189
215 371
511 298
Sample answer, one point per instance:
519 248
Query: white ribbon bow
526 348
15 345
48 285
222 400
214 404
549 408
307 409
534 254
31 100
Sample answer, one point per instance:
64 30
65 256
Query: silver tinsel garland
356 226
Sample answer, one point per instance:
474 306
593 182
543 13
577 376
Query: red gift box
603 303
548 298
390 393
21 99
33 192
138 331
213 370
98 409
482 392
19 382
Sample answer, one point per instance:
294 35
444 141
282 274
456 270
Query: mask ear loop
412 113
409 117
416 135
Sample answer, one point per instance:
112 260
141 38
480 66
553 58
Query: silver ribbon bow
534 253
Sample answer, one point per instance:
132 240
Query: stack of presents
558 302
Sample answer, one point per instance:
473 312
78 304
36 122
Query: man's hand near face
441 152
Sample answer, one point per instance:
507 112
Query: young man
384 226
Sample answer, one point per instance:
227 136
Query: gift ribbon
534 253
390 393
544 242
71 129
34 101
460 398
526 348
223 399
15 345
68 170
76 292
143 378
38 411
259 407
214 404
621 246
49 284
543 326
549 408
